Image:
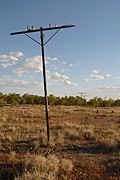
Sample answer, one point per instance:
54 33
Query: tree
1 95
29 99
14 99
116 102
64 100
51 99
93 102
39 100
71 101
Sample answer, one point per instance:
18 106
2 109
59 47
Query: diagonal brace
32 38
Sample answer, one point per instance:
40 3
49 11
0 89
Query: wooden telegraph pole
45 85
41 30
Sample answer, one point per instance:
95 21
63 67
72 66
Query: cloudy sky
81 59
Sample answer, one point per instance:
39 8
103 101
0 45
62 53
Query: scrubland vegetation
84 143
16 99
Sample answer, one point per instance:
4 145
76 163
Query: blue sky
81 59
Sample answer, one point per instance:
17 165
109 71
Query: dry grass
39 167
110 138
81 135
12 156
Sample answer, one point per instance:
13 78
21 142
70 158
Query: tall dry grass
38 167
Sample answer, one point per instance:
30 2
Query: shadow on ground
90 148
112 167
9 171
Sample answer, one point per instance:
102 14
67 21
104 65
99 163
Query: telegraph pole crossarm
41 30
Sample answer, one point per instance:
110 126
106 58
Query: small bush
108 143
50 168
12 156
66 166
110 139
86 132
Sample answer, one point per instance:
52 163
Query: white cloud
108 75
109 87
95 75
33 64
13 56
86 79
64 70
60 78
63 62
105 91
53 59
10 60
70 65
55 67
8 81
95 71
6 65
16 54
7 58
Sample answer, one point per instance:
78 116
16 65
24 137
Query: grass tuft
50 168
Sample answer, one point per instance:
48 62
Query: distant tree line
16 99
